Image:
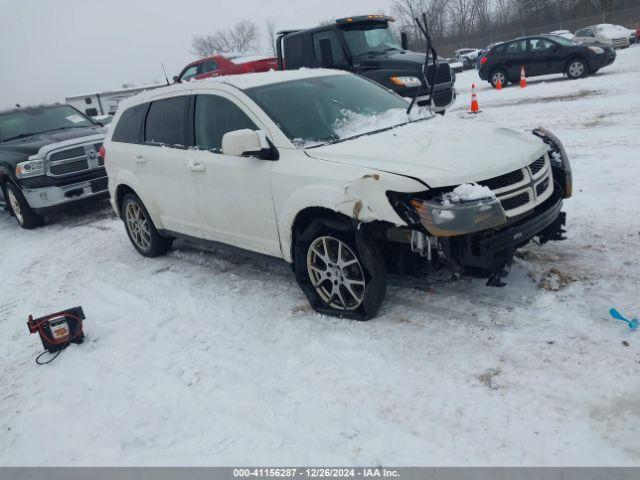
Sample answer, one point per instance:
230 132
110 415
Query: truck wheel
501 75
576 68
140 228
340 272
24 214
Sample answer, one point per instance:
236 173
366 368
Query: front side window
36 120
321 109
189 73
372 39
166 122
215 116
128 127
336 48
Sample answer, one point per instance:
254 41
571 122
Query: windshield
323 109
377 38
30 121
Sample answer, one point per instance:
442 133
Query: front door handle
140 159
196 167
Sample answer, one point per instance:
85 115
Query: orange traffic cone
523 78
499 85
475 108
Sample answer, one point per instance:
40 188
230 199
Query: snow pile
468 193
352 123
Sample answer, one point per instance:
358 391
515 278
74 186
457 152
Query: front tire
24 214
577 68
341 272
140 228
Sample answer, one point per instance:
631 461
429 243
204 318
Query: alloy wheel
499 76
138 226
336 274
576 69
15 206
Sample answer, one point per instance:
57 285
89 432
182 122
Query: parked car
219 65
48 160
605 33
563 33
467 56
367 46
543 55
456 65
269 162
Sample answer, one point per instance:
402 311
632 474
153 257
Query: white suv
327 171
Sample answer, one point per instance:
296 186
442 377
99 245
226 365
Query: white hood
439 152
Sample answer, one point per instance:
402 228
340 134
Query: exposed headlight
407 81
451 219
558 156
597 50
30 168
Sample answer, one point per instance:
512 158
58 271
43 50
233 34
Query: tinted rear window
166 121
128 127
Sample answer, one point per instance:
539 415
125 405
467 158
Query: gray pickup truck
49 158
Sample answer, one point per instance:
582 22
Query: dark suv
49 157
543 55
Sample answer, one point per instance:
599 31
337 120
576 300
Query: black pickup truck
366 45
49 158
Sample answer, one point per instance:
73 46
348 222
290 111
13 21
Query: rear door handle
196 167
140 159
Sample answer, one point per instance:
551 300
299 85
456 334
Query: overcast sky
51 49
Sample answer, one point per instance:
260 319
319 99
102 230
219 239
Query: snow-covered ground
215 358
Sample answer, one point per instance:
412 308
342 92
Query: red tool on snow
58 330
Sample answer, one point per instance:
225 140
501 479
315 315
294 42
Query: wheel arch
128 183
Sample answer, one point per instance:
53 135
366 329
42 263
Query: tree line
449 21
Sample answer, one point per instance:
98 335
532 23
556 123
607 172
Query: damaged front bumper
489 252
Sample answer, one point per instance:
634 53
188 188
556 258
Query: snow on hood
612 31
439 152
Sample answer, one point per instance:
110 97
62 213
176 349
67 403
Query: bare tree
241 38
271 30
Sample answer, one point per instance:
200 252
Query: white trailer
106 103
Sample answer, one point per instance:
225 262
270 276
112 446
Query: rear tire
20 209
499 74
140 228
577 68
340 271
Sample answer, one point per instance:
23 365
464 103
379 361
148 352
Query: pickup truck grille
619 43
521 190
73 160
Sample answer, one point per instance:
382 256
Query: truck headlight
407 81
596 50
33 167
558 156
445 219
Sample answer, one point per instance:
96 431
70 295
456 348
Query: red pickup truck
218 65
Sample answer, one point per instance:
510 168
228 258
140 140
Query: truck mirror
404 40
176 79
326 54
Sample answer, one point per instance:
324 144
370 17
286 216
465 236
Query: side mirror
404 41
176 79
326 54
248 143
